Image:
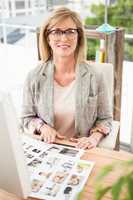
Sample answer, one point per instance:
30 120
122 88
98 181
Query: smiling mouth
63 45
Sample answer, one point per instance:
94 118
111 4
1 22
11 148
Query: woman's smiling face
63 38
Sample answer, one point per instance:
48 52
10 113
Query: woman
65 97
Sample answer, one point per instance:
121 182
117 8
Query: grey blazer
92 101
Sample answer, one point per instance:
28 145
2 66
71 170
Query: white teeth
62 45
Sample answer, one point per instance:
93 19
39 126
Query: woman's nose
63 37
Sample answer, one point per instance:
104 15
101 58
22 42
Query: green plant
92 45
120 14
122 188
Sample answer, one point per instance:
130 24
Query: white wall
127 102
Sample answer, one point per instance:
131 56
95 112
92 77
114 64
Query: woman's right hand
49 134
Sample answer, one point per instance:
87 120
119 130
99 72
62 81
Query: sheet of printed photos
56 171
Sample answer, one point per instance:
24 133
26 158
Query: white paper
56 171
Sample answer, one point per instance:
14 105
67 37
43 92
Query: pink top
64 109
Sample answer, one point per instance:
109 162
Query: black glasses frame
63 32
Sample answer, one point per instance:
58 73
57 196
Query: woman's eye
71 32
57 32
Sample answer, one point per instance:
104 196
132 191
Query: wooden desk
101 157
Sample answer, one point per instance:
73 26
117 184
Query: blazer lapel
47 84
82 91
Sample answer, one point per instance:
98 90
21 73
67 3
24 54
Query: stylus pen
67 145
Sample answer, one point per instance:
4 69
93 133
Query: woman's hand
49 134
87 142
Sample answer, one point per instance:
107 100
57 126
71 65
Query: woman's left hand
87 142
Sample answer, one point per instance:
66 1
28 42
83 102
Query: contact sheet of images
56 171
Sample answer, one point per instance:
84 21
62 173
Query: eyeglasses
56 34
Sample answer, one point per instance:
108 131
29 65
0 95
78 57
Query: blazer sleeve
104 107
29 120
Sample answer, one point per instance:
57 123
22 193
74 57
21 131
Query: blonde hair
57 16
